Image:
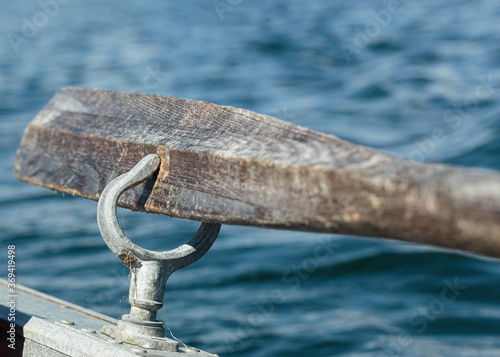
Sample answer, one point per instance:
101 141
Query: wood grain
233 166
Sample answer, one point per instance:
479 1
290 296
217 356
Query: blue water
420 79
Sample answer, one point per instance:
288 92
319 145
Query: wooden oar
232 166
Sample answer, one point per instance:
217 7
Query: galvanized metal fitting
149 269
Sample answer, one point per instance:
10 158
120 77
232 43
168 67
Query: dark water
420 79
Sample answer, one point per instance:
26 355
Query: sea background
386 74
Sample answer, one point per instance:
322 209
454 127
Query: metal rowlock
149 269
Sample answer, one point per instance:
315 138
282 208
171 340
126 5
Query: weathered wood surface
233 166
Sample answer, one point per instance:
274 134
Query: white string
171 334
